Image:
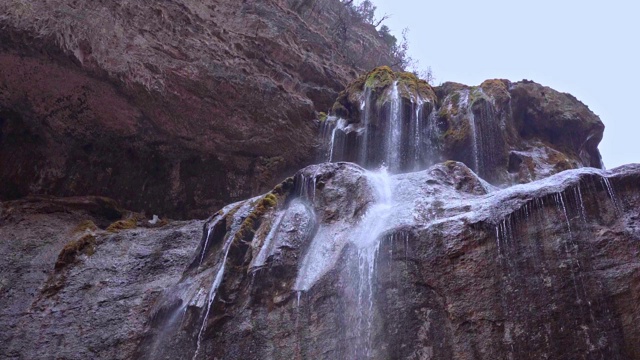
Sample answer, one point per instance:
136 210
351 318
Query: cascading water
266 248
367 243
393 146
397 129
394 129
465 103
212 294
366 133
219 274
364 242
417 125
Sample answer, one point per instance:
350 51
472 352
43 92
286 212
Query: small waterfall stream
367 243
212 294
366 133
219 274
393 146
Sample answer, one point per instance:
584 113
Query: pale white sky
590 49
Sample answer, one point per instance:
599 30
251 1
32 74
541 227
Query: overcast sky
590 49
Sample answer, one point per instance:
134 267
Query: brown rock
175 107
506 132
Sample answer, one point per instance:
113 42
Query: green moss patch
380 77
84 226
119 225
85 244
413 85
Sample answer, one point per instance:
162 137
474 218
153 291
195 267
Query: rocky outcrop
139 102
506 132
328 266
462 271
73 285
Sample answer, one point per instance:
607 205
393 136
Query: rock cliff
341 262
134 101
506 132
450 222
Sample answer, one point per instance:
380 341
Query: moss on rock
124 224
457 133
84 226
253 220
380 77
85 244
498 89
413 86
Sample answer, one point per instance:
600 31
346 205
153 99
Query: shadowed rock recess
135 100
449 222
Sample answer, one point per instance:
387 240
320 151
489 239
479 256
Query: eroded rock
505 132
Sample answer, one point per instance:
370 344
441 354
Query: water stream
367 243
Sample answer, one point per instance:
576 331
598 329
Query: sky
590 49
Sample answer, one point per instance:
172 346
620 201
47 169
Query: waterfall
390 131
221 215
212 294
266 248
326 246
465 103
393 148
364 242
612 194
339 126
238 218
367 243
365 120
416 132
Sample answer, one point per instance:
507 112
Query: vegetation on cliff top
378 81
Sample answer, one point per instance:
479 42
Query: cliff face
506 132
70 289
471 222
136 101
340 262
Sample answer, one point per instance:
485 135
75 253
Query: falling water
365 119
560 196
326 248
212 292
474 138
306 186
238 219
393 148
578 196
367 243
261 258
339 125
417 130
612 194
210 228
206 242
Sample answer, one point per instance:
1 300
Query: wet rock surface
507 241
463 271
507 132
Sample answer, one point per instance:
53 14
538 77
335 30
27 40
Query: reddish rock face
173 107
